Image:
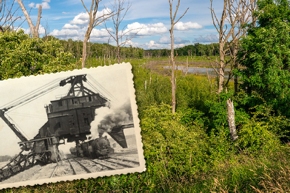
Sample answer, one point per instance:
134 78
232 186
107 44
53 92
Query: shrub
171 147
24 56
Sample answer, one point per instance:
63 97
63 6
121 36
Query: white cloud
80 19
104 13
41 30
131 43
77 27
145 29
31 5
164 42
187 26
155 45
44 4
151 45
65 33
100 33
70 26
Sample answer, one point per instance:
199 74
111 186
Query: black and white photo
69 125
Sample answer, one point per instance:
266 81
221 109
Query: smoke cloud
106 119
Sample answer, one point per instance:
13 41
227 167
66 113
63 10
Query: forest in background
108 51
191 150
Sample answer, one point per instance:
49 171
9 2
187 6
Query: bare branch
33 29
103 18
85 7
181 15
120 9
8 15
213 16
93 22
230 27
31 26
36 28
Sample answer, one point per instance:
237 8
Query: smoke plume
106 119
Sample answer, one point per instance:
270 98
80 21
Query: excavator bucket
119 136
117 133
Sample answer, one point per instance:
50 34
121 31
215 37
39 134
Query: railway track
121 164
69 166
114 163
79 165
54 171
76 166
105 165
125 160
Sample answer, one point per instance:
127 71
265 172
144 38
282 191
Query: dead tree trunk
173 21
33 29
231 119
93 22
223 38
231 27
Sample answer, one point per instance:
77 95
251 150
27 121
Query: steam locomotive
96 148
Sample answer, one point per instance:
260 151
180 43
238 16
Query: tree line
109 51
196 49
106 50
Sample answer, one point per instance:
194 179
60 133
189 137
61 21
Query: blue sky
150 18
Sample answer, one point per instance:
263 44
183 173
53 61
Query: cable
100 86
29 96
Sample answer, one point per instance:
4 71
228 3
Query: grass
241 174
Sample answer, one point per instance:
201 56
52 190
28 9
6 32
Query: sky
147 21
31 116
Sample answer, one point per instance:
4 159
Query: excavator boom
12 126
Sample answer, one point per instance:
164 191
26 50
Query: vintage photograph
69 125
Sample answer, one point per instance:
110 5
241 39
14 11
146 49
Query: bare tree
173 21
231 28
231 119
33 28
7 15
120 8
244 11
94 21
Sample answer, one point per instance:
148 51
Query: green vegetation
265 54
191 150
189 50
23 56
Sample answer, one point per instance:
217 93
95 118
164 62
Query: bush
24 56
255 137
174 149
